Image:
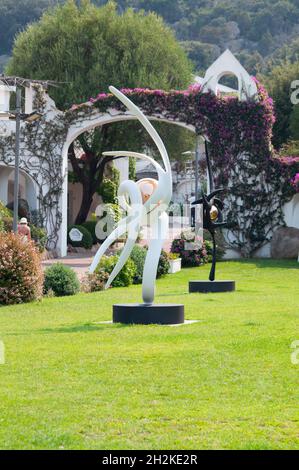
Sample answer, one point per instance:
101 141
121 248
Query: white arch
6 171
88 123
227 64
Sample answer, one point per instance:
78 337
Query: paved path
81 262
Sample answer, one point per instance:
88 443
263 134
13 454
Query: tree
279 85
88 48
15 15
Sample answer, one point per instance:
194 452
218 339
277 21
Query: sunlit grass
224 382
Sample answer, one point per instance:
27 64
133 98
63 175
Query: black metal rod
197 167
17 160
210 176
213 267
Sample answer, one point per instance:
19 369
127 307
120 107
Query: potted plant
175 263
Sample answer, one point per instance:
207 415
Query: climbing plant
41 143
257 182
239 135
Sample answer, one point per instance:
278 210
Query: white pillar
61 246
4 174
5 92
29 96
123 167
30 193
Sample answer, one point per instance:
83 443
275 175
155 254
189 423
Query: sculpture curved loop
131 198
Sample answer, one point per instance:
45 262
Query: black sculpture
212 220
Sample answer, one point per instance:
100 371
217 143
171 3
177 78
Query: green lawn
224 382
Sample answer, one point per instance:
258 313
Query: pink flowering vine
295 182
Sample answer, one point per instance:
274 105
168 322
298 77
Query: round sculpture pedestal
212 286
141 314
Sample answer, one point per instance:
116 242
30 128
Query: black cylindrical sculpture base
212 286
141 314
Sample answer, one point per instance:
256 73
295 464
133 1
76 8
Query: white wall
291 218
291 212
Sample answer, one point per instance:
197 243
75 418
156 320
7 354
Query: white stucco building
44 149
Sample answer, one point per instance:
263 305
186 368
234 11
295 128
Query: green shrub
94 282
125 277
108 191
138 255
132 168
163 266
90 225
86 241
61 279
4 215
39 235
7 224
21 275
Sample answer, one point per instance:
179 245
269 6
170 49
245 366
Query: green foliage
202 54
125 277
253 30
290 148
21 275
90 225
109 186
132 169
15 15
173 256
86 241
61 279
39 235
294 123
71 43
226 382
108 191
138 255
4 214
278 83
176 139
163 266
82 39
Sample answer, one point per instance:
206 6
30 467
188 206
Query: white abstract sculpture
139 206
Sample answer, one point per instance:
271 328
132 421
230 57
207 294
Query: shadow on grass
81 328
272 263
174 294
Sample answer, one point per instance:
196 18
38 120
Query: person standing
24 229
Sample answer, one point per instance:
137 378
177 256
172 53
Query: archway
113 116
27 187
238 129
